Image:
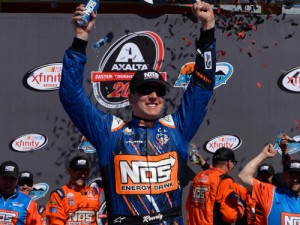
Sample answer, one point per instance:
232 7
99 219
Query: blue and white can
90 6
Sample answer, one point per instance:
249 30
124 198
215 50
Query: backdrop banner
256 92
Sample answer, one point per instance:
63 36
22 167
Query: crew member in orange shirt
76 202
213 197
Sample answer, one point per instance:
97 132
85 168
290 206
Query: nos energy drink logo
136 51
224 71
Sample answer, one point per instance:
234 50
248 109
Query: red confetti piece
253 42
241 35
228 34
258 84
221 52
296 122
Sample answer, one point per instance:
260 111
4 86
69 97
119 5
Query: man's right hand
269 151
205 14
82 32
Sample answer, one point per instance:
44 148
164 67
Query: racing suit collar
143 123
76 188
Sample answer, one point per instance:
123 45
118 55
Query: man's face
26 186
148 101
78 177
8 185
292 180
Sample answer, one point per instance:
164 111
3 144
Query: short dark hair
223 154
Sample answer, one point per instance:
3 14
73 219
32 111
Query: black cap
223 154
79 162
142 77
9 168
26 176
278 180
266 168
292 166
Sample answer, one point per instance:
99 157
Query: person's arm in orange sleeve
231 206
241 191
33 217
55 212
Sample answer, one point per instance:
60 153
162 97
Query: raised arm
247 174
193 108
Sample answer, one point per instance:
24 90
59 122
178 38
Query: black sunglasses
27 182
147 90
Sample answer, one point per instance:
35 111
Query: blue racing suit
141 162
19 209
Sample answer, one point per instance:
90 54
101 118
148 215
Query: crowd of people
142 161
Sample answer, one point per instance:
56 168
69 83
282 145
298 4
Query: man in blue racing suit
142 161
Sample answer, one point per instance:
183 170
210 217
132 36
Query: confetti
258 84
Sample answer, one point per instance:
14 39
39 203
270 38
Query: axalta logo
146 174
119 63
28 142
224 71
227 141
43 78
39 190
290 81
290 218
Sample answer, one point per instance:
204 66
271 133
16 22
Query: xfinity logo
290 81
28 142
43 78
227 141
